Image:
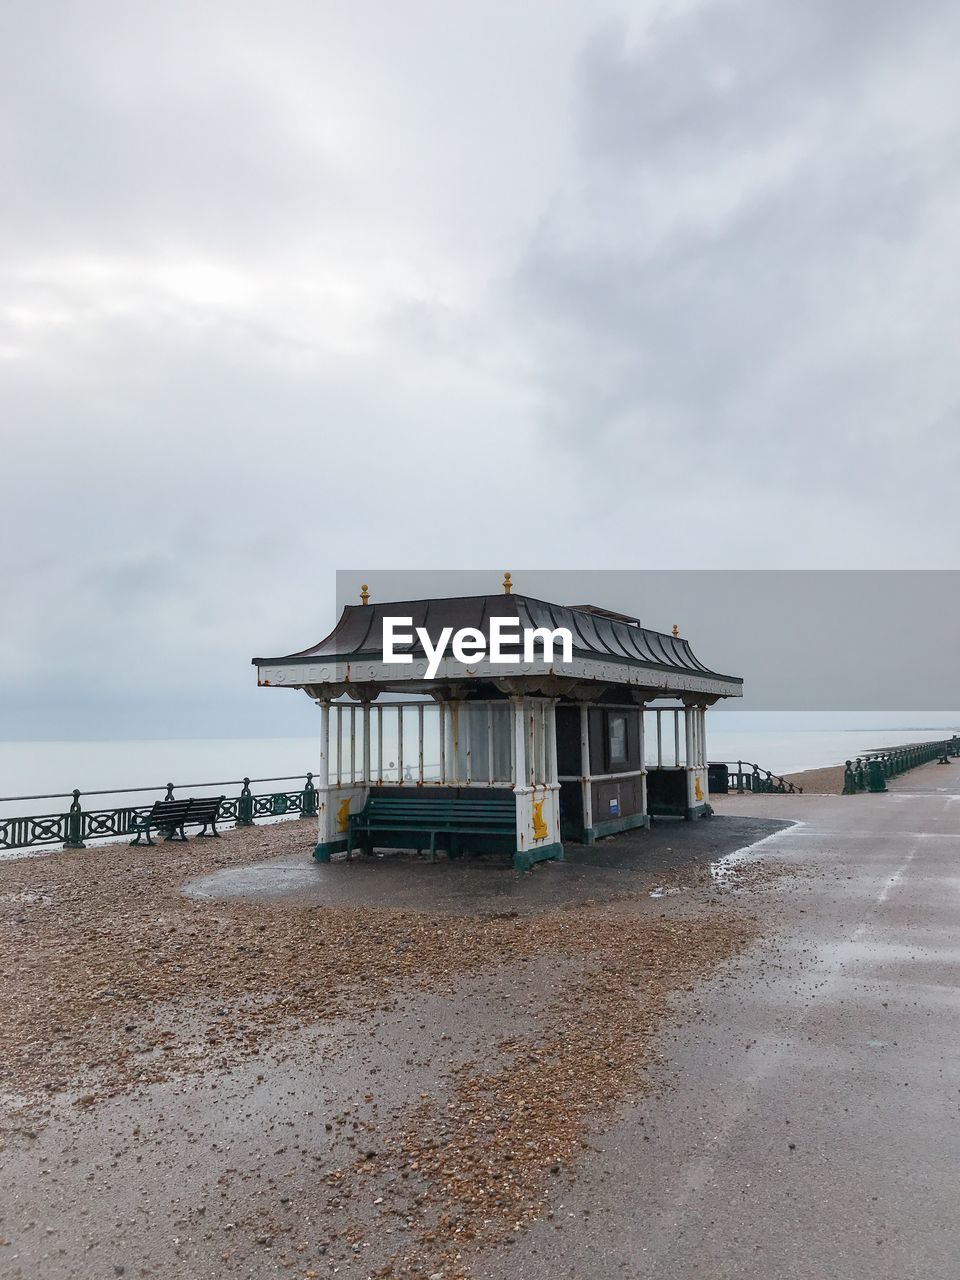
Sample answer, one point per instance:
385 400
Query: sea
35 777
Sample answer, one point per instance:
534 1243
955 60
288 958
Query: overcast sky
289 287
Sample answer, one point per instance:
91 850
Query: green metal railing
869 772
744 776
75 824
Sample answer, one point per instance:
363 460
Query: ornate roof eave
364 680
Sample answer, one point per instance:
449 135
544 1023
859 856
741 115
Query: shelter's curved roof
596 632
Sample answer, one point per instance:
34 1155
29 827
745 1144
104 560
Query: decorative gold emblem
364 593
507 584
540 828
676 629
697 787
343 814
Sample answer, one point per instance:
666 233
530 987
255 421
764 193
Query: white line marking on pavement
895 878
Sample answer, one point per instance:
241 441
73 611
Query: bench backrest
196 809
205 808
170 810
407 808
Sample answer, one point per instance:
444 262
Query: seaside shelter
572 749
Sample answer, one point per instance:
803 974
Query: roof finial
364 594
507 584
676 630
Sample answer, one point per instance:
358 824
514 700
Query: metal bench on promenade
411 822
171 816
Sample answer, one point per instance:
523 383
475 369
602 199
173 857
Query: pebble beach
445 1056
221 1058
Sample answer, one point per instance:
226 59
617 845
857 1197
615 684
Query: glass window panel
479 741
617 739
502 717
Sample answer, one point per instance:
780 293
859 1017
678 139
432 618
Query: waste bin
718 779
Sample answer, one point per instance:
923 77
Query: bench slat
174 815
429 818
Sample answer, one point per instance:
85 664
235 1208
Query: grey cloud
747 267
285 289
736 72
146 130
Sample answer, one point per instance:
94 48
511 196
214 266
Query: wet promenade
812 1124
624 1066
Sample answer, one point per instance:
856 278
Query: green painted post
858 774
245 806
875 780
849 784
739 777
74 838
309 809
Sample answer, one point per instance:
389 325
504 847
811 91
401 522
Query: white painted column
551 791
521 791
550 771
323 777
696 773
690 772
519 743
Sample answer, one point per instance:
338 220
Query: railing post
309 807
875 780
849 784
169 795
245 806
858 775
74 838
739 777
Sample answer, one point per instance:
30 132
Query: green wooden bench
415 821
171 816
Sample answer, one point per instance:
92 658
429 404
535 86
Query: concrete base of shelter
613 826
699 811
324 851
523 859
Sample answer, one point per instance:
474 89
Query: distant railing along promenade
869 772
743 776
75 824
